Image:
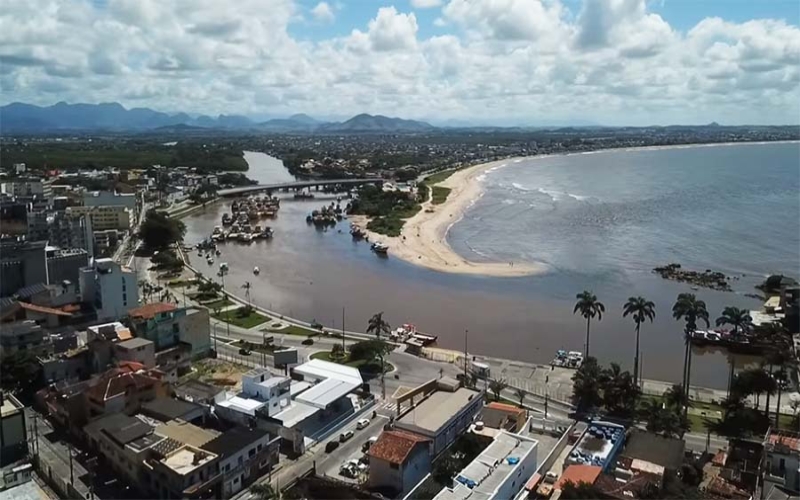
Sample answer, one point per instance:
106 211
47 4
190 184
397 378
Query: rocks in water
707 279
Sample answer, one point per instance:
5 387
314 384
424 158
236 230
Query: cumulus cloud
323 13
611 61
425 4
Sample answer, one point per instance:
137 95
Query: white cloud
425 4
611 61
323 13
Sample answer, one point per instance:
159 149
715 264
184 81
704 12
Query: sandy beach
424 236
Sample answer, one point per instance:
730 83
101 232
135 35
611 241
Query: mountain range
28 118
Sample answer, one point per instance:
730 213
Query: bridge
286 186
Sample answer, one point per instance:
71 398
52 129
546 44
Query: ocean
599 221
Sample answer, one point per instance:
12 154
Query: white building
331 382
261 392
398 460
498 473
111 288
104 217
108 198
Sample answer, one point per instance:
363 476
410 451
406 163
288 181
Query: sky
500 62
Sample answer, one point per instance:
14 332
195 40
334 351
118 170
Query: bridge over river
286 186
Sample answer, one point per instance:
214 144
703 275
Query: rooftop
187 458
784 440
150 311
318 368
579 474
234 440
395 446
660 450
243 405
164 408
435 411
10 405
194 390
326 392
596 444
489 471
295 413
135 343
186 433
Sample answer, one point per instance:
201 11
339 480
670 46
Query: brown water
312 274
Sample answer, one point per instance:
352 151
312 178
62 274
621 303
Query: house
261 392
124 389
499 472
138 350
504 416
168 325
782 460
165 409
183 472
579 474
245 455
442 416
398 460
112 289
13 430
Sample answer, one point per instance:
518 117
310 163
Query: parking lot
350 451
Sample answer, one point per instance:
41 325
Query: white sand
423 239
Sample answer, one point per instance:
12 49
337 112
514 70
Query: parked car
345 436
332 445
244 352
362 423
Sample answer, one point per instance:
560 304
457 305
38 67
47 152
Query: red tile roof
783 438
579 474
395 446
43 309
149 311
117 381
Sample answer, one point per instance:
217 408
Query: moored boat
380 247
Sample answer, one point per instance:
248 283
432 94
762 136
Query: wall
519 476
145 354
13 436
417 467
383 475
196 330
107 198
238 474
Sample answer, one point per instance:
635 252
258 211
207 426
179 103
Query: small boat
210 260
304 196
380 247
226 219
256 270
218 253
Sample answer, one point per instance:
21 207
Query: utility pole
344 350
214 323
546 399
466 362
227 309
71 471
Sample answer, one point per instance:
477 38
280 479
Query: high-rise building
109 287
22 263
65 264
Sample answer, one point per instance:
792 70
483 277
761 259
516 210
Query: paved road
238 191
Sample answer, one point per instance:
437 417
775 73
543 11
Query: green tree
247 288
586 385
158 231
520 394
641 310
20 372
264 491
369 350
580 491
741 322
589 307
377 326
691 310
497 386
445 469
619 391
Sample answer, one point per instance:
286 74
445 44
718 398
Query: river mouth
312 274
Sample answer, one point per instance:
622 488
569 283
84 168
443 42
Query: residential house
398 460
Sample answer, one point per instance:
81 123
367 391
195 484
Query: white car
363 423
345 436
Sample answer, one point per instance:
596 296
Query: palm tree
497 386
520 394
641 310
378 326
688 308
264 491
247 287
741 321
674 397
589 307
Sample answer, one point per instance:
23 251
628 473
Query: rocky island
707 279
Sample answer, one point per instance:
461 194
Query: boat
304 195
356 232
227 220
571 359
210 261
218 253
380 247
256 270
267 233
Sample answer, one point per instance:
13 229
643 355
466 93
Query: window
176 328
227 467
394 466
251 452
258 448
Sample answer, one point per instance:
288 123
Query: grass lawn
439 195
233 317
269 349
439 177
218 304
361 364
182 283
295 330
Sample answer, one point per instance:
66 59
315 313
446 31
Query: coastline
423 239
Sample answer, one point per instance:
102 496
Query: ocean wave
553 194
481 178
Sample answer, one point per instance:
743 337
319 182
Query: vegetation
125 154
377 326
263 491
688 308
580 491
439 176
459 455
242 317
772 284
611 388
641 310
158 231
589 307
386 208
439 194
219 304
20 373
295 330
167 260
497 386
665 415
365 365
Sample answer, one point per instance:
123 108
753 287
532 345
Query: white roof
295 413
325 369
243 405
326 392
297 387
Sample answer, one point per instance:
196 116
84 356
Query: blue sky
526 62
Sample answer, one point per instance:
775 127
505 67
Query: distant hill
365 123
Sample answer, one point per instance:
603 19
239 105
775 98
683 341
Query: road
238 191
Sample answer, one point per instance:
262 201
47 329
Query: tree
377 326
580 491
688 308
641 310
247 287
520 394
497 386
446 468
158 231
619 391
589 307
20 372
739 319
586 385
337 352
264 491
